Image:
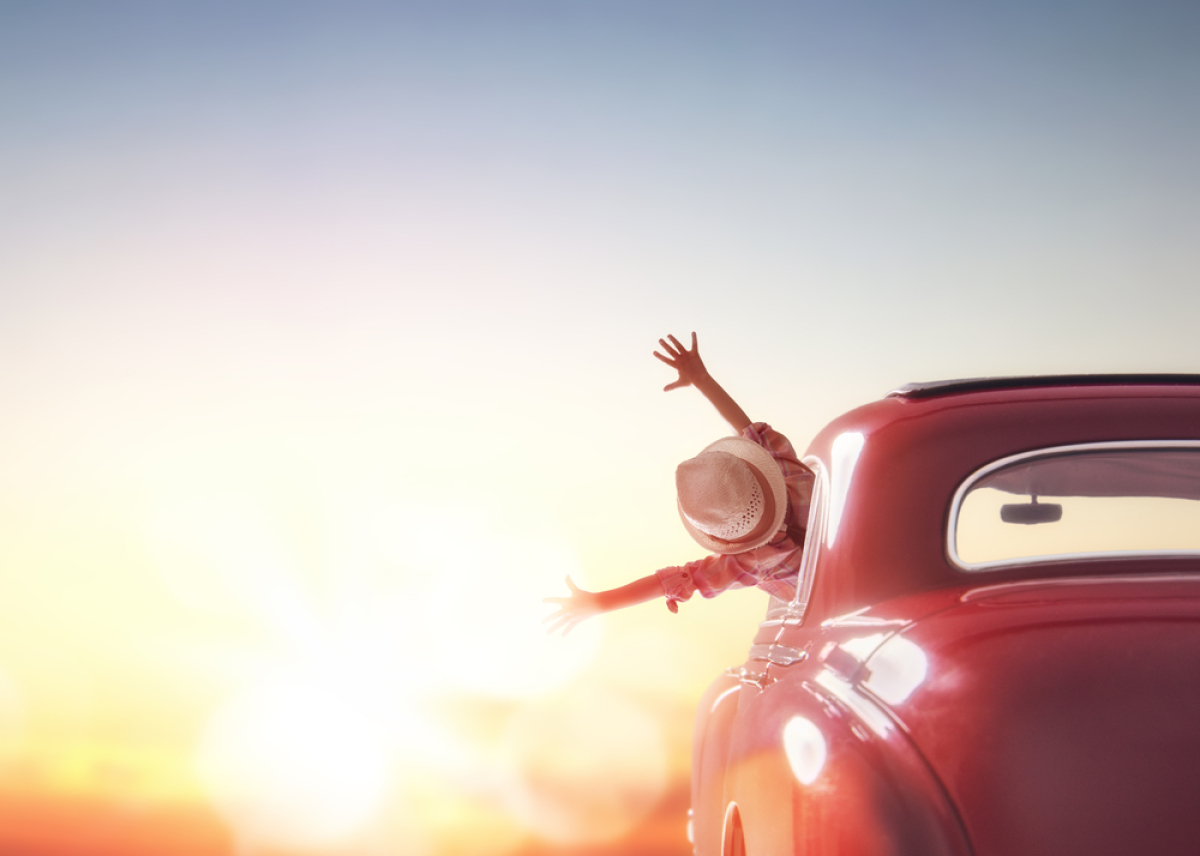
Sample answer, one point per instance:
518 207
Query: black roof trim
937 388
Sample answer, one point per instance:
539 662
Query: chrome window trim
792 613
1050 451
814 536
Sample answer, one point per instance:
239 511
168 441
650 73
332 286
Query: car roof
902 457
931 389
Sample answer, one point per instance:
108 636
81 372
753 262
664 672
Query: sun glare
381 613
469 588
294 764
221 552
492 602
12 715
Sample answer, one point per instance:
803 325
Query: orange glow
342 689
583 767
295 764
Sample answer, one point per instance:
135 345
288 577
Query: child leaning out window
744 499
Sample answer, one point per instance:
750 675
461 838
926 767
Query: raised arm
693 373
584 604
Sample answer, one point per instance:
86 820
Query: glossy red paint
912 707
1065 718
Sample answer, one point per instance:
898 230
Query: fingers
678 359
695 347
563 622
675 348
555 620
568 615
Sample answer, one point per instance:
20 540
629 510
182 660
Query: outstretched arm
693 373
584 604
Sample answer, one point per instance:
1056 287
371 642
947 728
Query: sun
294 763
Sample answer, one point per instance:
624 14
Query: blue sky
1027 168
482 215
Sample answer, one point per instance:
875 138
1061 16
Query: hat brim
772 478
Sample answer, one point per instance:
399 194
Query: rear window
1099 500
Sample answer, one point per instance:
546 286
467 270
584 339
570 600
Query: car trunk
1064 717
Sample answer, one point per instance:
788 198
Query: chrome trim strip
785 655
813 538
761 651
755 679
776 654
969 482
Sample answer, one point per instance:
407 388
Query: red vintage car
995 647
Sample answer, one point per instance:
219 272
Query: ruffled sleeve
773 566
798 478
778 445
709 576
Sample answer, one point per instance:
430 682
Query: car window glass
1097 500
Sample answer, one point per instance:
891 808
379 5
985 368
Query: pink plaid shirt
772 567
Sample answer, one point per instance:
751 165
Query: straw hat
732 496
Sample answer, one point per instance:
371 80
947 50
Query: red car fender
710 755
820 768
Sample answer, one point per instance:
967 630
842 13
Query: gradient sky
352 292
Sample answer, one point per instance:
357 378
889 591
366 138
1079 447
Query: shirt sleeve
778 445
710 576
798 478
720 572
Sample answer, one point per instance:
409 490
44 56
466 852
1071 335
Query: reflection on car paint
859 704
846 449
804 745
862 646
896 669
717 701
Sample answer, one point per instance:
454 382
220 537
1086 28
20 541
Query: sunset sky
325 354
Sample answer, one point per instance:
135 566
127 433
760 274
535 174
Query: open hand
571 610
688 363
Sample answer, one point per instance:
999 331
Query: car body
921 695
